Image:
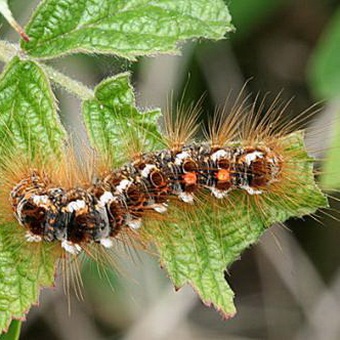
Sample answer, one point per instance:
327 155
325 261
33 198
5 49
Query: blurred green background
288 285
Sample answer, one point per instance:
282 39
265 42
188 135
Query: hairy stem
70 85
76 88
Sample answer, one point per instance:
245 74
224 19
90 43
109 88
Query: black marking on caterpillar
120 199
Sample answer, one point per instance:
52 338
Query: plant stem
76 88
70 85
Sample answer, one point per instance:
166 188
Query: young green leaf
124 28
112 115
28 118
208 240
24 269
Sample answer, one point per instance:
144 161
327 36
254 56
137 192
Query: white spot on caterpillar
250 157
123 185
70 247
160 208
106 243
186 197
40 199
146 171
219 193
219 154
76 205
180 157
30 237
106 198
134 223
250 190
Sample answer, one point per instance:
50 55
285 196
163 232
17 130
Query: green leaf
330 178
324 68
24 269
28 118
125 28
210 238
112 119
13 331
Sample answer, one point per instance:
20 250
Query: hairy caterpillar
248 160
120 199
98 213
